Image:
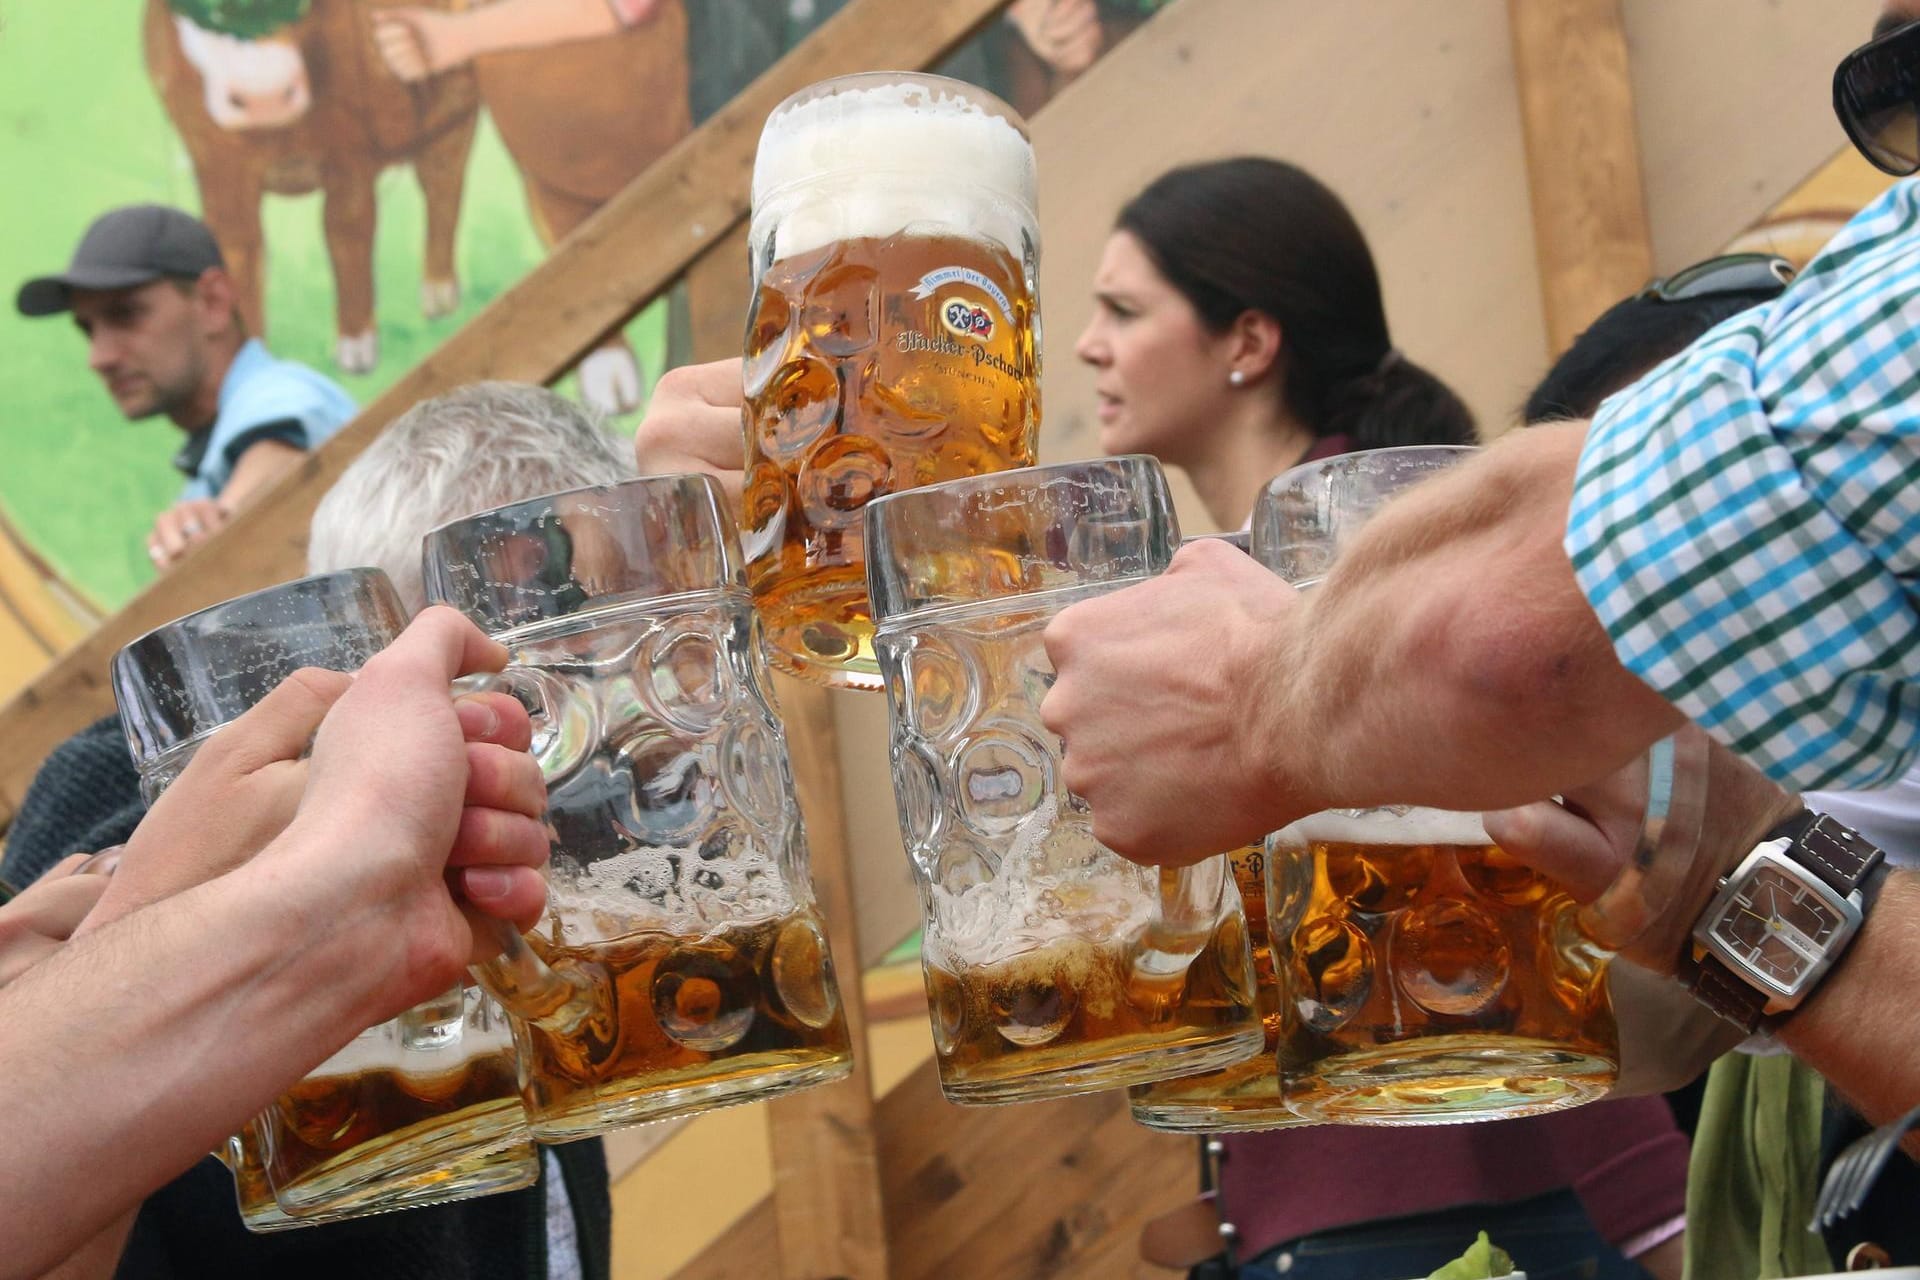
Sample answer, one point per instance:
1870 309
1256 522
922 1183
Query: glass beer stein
1053 965
892 340
682 964
1246 1095
417 1110
1424 974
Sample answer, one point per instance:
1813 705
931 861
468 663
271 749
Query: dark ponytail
1262 235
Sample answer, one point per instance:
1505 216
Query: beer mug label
962 275
971 320
968 321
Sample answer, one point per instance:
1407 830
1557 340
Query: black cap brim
50 295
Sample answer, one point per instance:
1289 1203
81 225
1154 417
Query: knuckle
676 383
319 683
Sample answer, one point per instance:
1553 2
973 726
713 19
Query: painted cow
308 108
581 120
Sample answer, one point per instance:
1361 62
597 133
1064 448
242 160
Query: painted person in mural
150 292
1039 47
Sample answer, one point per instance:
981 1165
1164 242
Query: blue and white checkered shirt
1746 519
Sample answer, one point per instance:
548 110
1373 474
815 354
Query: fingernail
483 883
103 863
478 719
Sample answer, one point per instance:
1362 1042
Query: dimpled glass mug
681 964
417 1110
893 338
1053 965
1246 1095
1426 975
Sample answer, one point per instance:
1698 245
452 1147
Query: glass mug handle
1676 793
564 1000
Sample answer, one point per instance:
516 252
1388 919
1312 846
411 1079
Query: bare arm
264 462
123 1050
137 1047
1858 1029
1450 659
418 42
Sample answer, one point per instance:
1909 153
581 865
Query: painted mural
375 173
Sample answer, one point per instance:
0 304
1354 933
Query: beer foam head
1389 825
904 149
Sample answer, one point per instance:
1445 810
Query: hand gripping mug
1053 965
417 1110
1246 1095
681 964
892 340
1425 975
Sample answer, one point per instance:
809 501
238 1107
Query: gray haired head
478 447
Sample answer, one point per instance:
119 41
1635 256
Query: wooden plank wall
1044 1191
1583 158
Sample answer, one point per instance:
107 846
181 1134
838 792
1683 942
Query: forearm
525 24
139 1048
1450 658
98 1258
256 470
1858 1029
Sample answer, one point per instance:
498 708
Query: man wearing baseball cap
150 290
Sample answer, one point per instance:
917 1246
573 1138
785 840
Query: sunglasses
1876 94
1725 276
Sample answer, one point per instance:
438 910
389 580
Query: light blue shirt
262 398
1746 519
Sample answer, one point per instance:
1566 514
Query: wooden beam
826 1163
1040 1191
1583 158
615 263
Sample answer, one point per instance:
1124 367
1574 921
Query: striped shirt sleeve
1746 519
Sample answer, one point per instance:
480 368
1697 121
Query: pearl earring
1237 378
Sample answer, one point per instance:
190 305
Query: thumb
1558 843
281 725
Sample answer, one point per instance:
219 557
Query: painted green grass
82 131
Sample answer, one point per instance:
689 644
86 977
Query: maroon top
1623 1157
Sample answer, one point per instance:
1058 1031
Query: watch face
1777 926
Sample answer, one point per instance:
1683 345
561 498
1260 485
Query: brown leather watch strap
1715 986
1828 848
1835 852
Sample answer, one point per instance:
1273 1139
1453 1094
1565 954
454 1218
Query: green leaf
1483 1260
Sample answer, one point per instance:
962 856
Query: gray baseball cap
123 248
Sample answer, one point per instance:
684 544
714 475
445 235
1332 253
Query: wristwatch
1782 917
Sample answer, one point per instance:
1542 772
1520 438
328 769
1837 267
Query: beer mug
892 340
1053 966
1424 974
1246 1095
417 1110
682 964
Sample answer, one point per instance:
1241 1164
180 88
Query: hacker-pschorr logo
965 319
961 315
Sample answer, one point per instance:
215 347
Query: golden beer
397 1135
1068 1009
1246 1095
1432 977
745 1012
246 1158
891 340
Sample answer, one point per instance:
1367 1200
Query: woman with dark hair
1238 330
